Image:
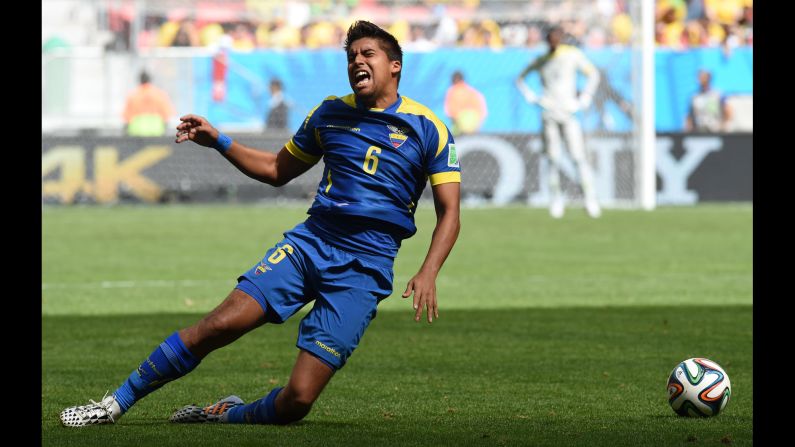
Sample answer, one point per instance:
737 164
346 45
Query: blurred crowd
696 23
428 24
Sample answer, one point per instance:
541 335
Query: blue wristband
223 143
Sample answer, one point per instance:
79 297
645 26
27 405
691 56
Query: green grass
550 332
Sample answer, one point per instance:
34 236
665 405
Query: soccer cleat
556 208
593 209
106 411
211 413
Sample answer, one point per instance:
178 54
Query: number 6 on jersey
371 160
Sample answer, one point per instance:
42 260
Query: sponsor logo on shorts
327 348
262 268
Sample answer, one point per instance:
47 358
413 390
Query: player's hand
528 94
197 129
423 285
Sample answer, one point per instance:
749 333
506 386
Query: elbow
277 182
274 178
454 221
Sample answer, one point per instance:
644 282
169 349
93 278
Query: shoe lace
105 406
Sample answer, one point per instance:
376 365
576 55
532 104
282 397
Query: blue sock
171 360
261 411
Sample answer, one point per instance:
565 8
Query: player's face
703 79
554 38
369 68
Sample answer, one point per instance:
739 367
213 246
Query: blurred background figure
465 106
709 111
605 94
278 106
219 58
147 110
559 103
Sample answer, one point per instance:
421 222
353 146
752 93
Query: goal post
618 127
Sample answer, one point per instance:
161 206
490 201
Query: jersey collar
391 108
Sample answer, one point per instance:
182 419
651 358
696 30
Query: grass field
550 332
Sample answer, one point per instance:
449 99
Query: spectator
262 35
724 12
465 106
278 106
670 26
534 36
419 40
166 33
446 32
492 36
284 35
472 37
401 29
186 36
210 34
695 35
242 38
621 28
514 34
709 111
147 110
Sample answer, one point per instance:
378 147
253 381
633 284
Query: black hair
144 78
362 28
554 29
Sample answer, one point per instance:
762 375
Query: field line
134 284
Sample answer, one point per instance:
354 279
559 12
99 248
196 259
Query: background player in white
559 102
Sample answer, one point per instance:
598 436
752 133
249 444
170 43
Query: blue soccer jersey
377 163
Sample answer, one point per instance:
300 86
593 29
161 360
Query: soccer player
559 102
379 149
709 111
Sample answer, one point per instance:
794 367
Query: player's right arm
274 169
528 94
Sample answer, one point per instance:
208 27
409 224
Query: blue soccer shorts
346 290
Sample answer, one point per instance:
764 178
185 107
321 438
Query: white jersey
558 71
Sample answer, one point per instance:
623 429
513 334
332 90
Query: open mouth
361 78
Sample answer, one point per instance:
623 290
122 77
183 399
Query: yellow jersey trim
350 100
299 154
398 136
565 49
445 177
309 115
411 106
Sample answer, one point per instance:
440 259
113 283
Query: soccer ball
698 387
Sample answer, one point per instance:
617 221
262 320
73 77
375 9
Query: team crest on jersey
397 135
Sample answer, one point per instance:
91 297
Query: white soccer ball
698 387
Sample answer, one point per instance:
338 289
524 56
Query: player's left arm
446 199
592 80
